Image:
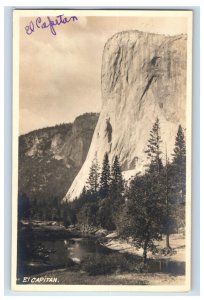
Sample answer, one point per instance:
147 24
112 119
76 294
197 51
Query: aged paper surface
101 192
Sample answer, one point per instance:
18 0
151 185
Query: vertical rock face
143 76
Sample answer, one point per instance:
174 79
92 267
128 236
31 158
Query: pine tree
117 183
179 165
116 191
157 176
93 179
105 177
169 222
148 196
145 207
180 147
142 213
153 149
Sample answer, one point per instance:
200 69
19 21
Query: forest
146 208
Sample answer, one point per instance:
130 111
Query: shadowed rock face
50 158
143 76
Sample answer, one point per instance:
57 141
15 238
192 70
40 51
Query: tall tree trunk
167 202
167 241
145 252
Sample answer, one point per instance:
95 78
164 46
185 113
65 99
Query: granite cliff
143 76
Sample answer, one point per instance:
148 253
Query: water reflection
78 248
35 257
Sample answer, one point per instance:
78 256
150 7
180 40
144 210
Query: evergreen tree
116 191
179 165
153 149
156 171
142 213
156 191
86 215
68 214
169 219
84 192
117 183
105 214
93 179
105 177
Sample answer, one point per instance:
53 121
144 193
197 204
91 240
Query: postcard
101 189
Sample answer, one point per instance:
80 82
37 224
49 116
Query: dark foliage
49 160
179 166
151 206
110 263
105 177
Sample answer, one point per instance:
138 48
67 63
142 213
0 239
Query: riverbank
177 242
95 256
112 241
50 230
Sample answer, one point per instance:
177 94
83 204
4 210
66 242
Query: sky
60 76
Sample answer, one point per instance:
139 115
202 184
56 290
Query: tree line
150 206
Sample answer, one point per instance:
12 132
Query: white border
97 288
172 4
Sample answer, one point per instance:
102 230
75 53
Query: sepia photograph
101 190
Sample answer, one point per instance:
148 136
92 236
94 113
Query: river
41 249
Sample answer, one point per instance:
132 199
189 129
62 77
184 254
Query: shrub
106 264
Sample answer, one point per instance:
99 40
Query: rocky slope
143 76
50 158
